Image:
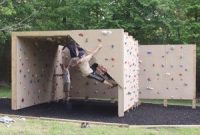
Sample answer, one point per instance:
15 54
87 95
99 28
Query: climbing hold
106 59
149 79
22 99
149 88
80 34
167 73
162 66
140 61
28 70
113 59
86 40
106 32
149 52
99 40
172 48
185 84
112 46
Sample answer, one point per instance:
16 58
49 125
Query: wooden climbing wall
131 71
167 71
39 80
34 72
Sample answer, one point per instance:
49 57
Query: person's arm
97 49
72 63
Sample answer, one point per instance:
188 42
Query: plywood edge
14 71
194 73
121 89
56 33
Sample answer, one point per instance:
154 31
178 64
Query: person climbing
80 58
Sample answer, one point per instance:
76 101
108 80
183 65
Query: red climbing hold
80 34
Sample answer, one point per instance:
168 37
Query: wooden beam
165 102
194 104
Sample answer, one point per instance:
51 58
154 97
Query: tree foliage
149 21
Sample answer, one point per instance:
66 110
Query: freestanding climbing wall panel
37 75
167 72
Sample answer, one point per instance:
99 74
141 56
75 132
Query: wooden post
165 102
194 104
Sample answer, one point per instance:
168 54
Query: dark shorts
96 76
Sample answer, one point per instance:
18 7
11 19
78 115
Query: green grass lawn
44 127
5 92
170 102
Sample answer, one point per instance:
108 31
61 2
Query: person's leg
100 79
66 91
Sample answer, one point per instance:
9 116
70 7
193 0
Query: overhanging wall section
167 71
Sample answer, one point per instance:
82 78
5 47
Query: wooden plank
165 102
14 72
194 104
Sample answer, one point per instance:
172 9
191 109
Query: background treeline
149 21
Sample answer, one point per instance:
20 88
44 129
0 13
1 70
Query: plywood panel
131 69
167 71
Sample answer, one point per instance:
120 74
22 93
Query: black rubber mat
145 114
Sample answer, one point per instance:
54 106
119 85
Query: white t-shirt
85 66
